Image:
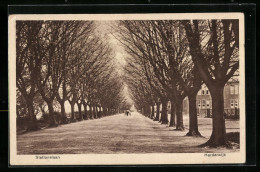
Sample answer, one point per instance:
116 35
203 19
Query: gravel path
117 134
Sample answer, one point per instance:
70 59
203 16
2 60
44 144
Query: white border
113 159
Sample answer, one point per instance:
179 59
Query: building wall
204 101
231 96
185 108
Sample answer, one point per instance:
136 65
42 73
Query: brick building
204 101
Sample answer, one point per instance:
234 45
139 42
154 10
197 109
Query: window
199 104
232 89
236 103
203 104
208 104
232 104
202 92
207 92
236 89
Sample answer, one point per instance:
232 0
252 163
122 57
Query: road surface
116 134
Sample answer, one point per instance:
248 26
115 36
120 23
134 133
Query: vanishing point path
112 134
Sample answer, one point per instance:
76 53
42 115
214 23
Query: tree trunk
85 111
172 120
179 115
72 117
95 112
111 112
164 115
147 110
52 122
104 111
32 124
108 111
90 112
79 111
96 109
100 112
193 118
157 111
152 114
218 136
63 113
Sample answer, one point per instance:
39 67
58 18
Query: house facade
204 101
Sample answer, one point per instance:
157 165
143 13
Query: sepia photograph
126 89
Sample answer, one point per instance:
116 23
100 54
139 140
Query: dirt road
117 134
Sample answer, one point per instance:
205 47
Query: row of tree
64 61
171 59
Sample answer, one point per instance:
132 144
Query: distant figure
127 112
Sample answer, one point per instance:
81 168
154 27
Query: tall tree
181 67
49 72
214 47
74 31
135 35
27 62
